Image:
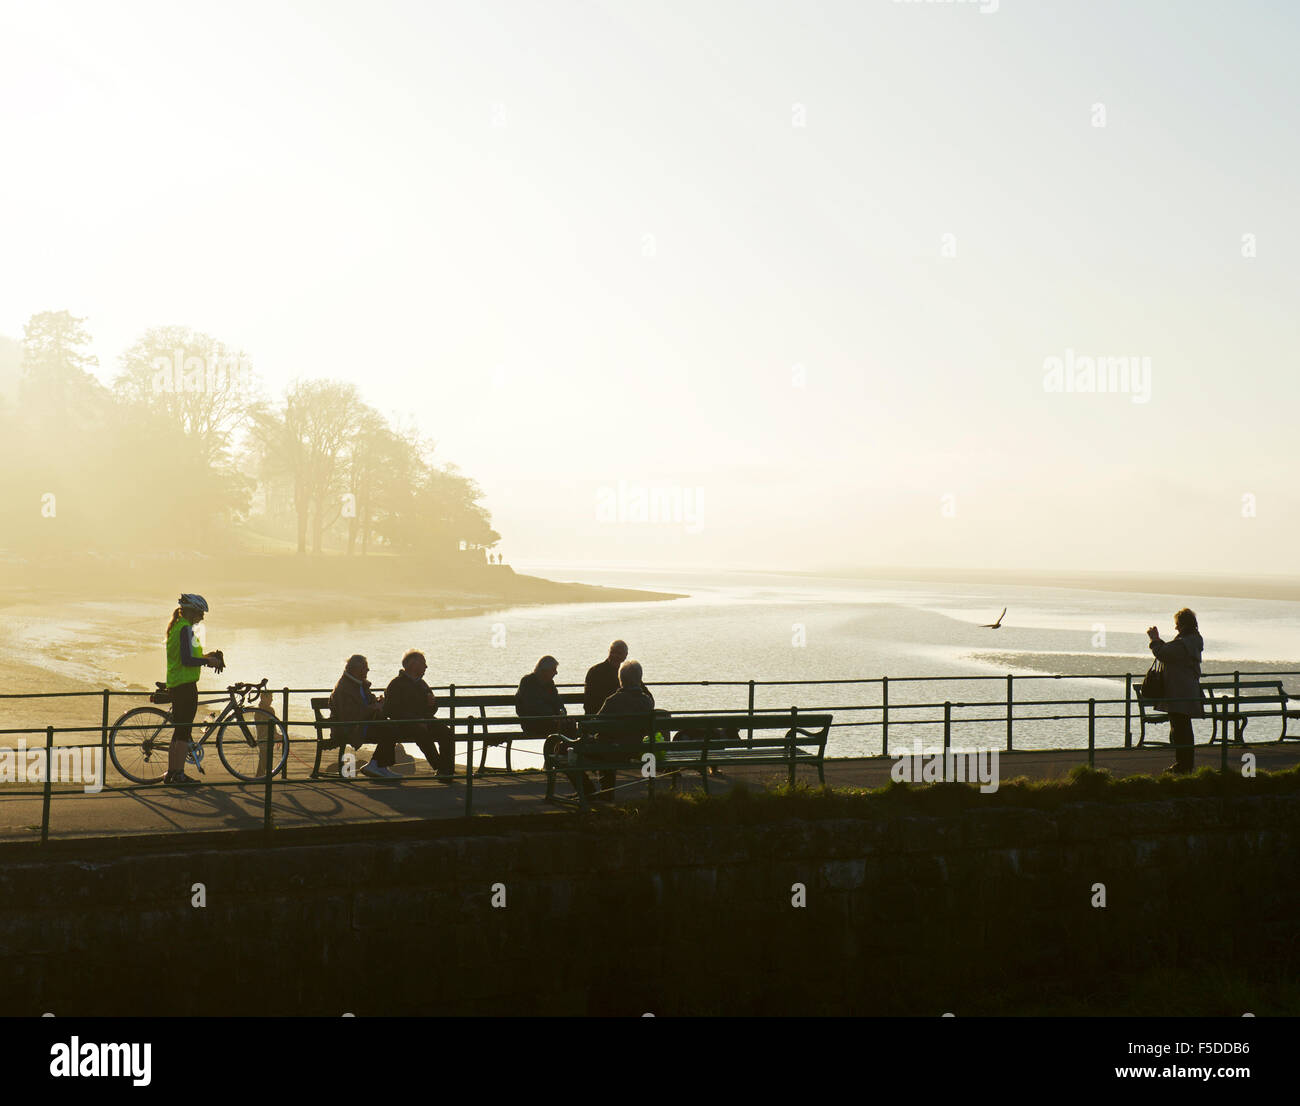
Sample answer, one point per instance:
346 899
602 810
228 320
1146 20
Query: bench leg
482 760
315 768
510 741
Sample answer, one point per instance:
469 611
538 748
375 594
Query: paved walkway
301 802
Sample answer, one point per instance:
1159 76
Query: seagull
995 625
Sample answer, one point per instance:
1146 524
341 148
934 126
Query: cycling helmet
189 599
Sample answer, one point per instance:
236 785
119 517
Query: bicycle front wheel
243 749
138 744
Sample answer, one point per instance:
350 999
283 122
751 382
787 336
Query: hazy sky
701 245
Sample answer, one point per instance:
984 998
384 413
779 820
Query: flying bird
995 625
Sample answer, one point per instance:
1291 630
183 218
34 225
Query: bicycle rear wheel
245 753
139 742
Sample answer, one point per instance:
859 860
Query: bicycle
141 738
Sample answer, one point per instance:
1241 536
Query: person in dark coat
632 700
1180 661
602 679
537 701
541 713
410 699
353 701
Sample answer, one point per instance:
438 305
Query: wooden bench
1217 692
326 738
796 739
1243 700
500 728
1152 713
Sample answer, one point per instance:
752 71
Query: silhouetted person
409 698
631 700
185 660
1180 660
541 713
602 678
353 701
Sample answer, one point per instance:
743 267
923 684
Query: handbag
1153 683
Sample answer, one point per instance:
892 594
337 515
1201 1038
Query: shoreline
54 638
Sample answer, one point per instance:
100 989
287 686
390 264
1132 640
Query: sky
715 284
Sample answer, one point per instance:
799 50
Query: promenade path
298 802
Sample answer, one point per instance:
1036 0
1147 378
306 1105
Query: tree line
185 451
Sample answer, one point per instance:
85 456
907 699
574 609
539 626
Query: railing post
794 740
884 716
270 775
49 777
103 736
947 725
288 734
750 741
1236 722
1092 733
1010 699
1128 710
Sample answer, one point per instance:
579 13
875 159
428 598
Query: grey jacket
1180 661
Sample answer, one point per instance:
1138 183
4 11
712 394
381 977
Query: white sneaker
378 771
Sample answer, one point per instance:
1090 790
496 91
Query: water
742 626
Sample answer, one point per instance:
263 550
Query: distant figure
998 624
1180 661
631 698
185 660
353 701
409 698
602 678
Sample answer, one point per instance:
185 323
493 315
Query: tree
193 380
306 441
56 369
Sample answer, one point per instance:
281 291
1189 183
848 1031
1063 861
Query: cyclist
185 660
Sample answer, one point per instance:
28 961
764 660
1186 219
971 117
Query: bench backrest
1248 692
804 729
460 705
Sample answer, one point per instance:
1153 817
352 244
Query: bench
495 729
326 739
1217 692
1243 700
794 739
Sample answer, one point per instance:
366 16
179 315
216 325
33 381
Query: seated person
410 699
602 678
352 701
632 699
542 714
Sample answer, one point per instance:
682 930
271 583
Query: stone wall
903 915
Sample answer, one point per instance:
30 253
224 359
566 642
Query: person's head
190 607
1185 621
357 666
414 664
547 667
618 651
629 674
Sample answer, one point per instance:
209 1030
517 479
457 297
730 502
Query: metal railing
886 714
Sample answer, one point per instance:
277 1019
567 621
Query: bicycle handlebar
247 690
